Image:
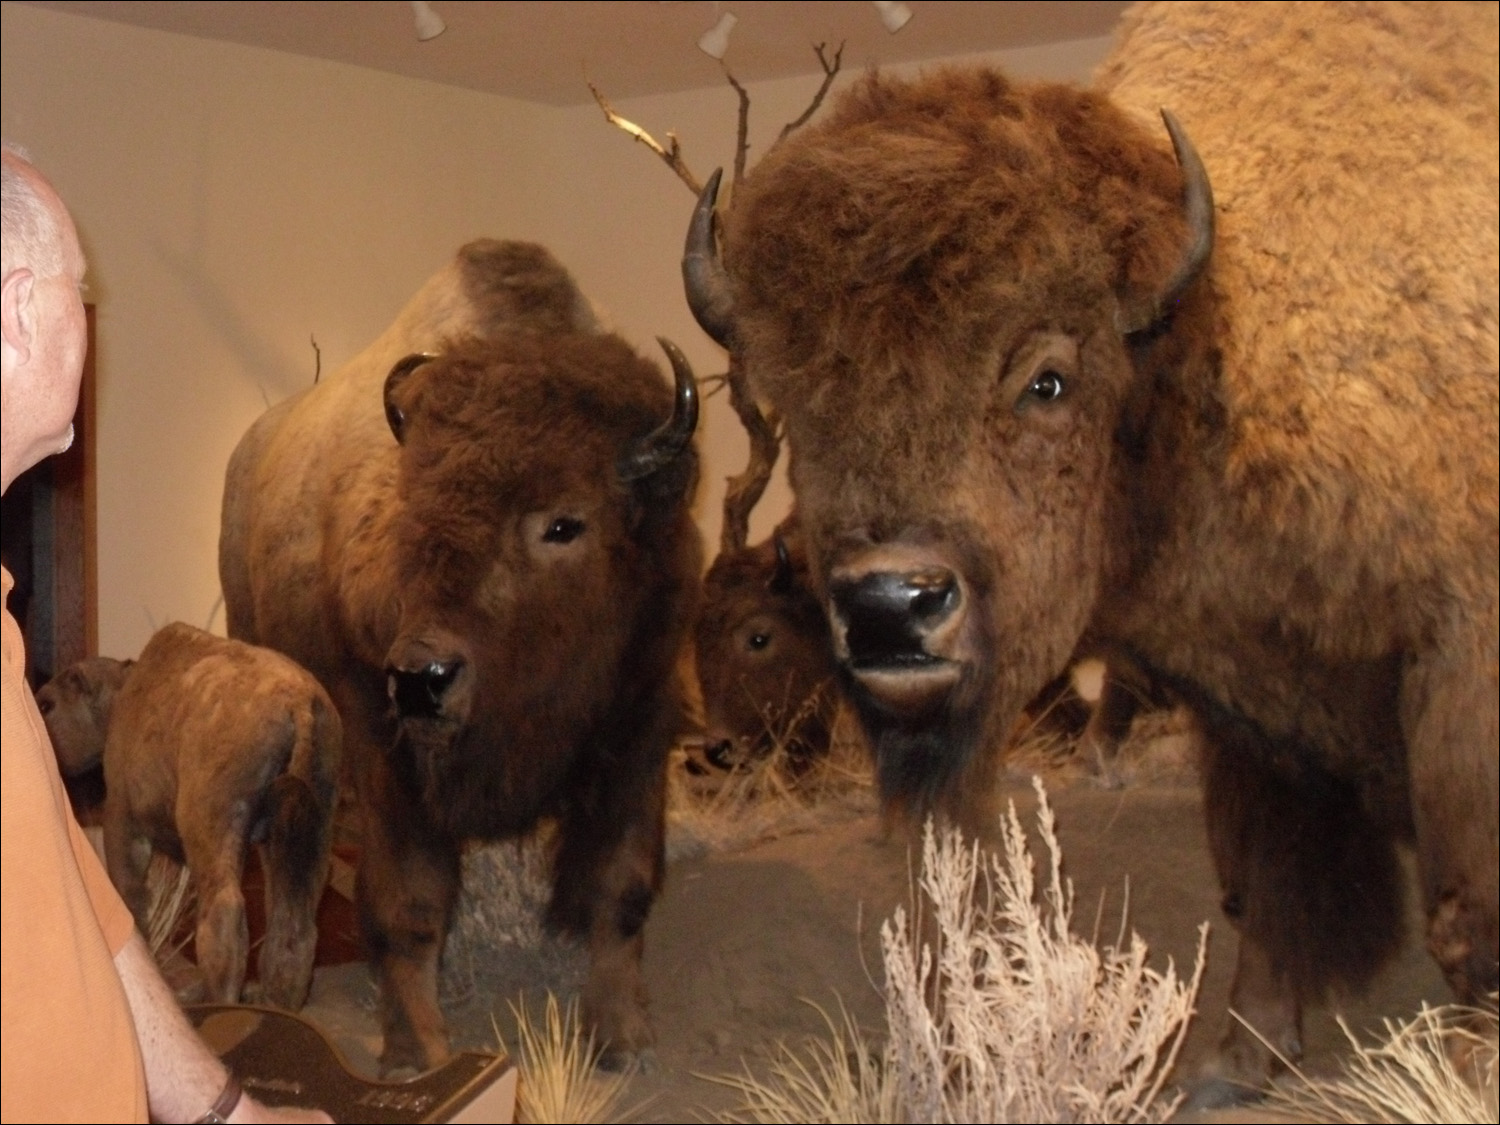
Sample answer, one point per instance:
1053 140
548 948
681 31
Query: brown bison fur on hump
764 662
1277 491
489 558
210 746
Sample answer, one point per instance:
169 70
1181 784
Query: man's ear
17 319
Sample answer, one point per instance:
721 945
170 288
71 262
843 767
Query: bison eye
564 529
1047 387
759 641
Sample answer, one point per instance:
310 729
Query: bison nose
720 754
418 692
887 615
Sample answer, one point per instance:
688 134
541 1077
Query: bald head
33 235
41 314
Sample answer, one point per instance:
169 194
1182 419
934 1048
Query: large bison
1036 382
488 558
210 746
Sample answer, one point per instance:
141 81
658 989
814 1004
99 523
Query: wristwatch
229 1097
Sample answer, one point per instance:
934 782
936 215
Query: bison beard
496 599
1026 412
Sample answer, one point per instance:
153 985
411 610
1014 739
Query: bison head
543 538
764 661
953 290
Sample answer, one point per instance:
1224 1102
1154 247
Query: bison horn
781 578
1198 209
703 276
394 415
663 445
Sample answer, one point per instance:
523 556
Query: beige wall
234 202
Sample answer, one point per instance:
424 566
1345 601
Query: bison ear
393 413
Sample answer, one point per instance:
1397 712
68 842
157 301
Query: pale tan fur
211 745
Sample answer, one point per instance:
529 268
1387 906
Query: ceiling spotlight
715 41
893 14
429 24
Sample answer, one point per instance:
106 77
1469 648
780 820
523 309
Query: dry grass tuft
840 1078
772 795
560 1080
1440 1066
170 887
1010 1017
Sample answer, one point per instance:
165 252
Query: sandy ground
752 943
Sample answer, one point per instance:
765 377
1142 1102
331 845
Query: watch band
229 1097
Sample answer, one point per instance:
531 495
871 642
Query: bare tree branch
830 72
672 154
317 358
742 131
744 491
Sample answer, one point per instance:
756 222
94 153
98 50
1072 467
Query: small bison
1038 386
210 746
485 550
764 662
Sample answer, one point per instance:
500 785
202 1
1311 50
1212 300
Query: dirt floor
772 927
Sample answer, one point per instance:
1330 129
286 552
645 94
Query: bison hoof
1211 1092
404 1057
625 1060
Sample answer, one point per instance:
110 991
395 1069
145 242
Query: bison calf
211 745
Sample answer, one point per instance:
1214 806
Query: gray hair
33 237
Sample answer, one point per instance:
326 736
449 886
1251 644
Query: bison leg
1310 879
1122 687
222 939
295 859
614 996
1451 711
127 854
608 871
214 830
406 888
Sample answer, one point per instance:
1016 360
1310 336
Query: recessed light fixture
893 14
715 41
429 24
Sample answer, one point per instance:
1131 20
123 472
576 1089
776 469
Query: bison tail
296 854
300 831
295 859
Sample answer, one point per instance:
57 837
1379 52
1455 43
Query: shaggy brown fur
764 662
501 580
1282 497
209 746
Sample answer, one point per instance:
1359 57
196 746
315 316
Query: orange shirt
68 1049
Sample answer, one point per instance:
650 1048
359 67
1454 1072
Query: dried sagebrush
1440 1066
560 1080
1011 1017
